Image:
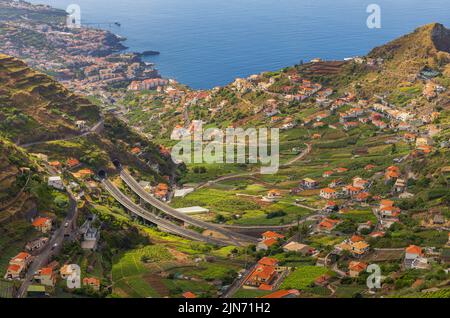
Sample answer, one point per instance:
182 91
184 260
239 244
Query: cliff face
441 38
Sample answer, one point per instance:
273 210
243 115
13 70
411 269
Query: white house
56 182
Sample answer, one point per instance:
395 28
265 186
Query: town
363 177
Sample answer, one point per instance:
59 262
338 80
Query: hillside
425 50
36 108
40 134
40 114
15 201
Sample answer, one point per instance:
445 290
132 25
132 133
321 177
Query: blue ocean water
206 43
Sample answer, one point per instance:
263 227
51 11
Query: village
362 184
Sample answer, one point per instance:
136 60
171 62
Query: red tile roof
38 222
14 268
270 234
282 293
189 295
270 242
357 266
413 249
268 261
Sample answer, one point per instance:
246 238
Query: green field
302 277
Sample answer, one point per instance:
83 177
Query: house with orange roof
85 173
262 274
350 124
92 282
414 258
66 270
327 174
360 182
46 276
265 287
425 149
322 280
377 234
386 203
268 261
360 248
42 224
355 268
351 190
357 249
392 173
135 151
272 195
14 271
72 163
269 234
23 258
369 167
409 137
356 238
413 251
341 170
189 295
291 293
362 197
161 191
264 245
327 225
55 164
390 212
328 193
18 265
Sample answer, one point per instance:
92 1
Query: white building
56 182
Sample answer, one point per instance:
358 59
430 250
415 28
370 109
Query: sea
208 43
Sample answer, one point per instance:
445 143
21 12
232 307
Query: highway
237 238
162 223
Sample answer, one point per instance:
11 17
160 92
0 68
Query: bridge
163 224
236 238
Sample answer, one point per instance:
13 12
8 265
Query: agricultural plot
129 270
303 277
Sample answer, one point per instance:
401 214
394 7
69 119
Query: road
237 238
48 251
162 223
311 217
237 284
97 128
301 156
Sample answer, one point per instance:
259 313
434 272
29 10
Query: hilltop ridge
425 42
